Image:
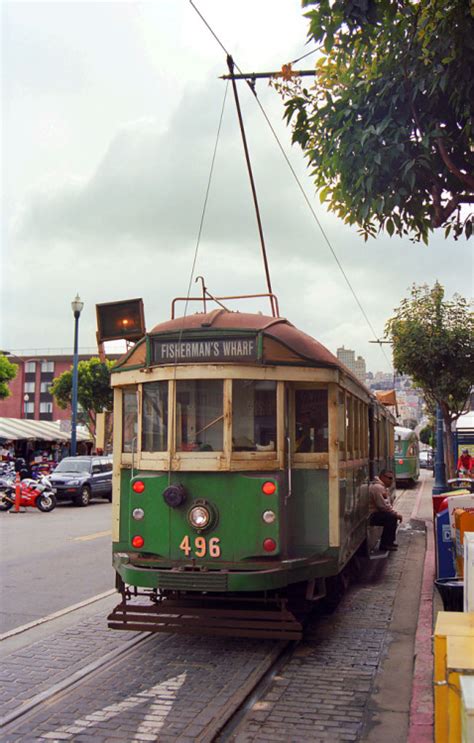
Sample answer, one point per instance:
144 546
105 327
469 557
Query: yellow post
460 659
448 624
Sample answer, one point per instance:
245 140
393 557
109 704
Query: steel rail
75 679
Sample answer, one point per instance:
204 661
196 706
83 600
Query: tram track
76 678
93 679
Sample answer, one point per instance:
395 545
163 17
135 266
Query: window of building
47 366
155 417
30 367
311 419
29 407
46 407
253 415
200 415
29 387
45 387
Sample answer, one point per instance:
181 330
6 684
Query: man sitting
381 512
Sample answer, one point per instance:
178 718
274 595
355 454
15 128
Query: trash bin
452 593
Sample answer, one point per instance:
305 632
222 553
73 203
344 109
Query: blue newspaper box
445 557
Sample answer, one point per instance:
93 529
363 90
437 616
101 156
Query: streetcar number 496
201 547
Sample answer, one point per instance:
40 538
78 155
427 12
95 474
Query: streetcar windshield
129 420
155 417
253 415
311 424
200 415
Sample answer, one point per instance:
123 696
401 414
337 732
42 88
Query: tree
427 435
94 393
433 342
8 372
387 128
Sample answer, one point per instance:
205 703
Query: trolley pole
440 484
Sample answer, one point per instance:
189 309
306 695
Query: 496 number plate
201 547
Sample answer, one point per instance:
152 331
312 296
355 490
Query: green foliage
387 127
427 435
8 372
433 342
94 393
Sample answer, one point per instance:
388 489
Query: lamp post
76 306
440 485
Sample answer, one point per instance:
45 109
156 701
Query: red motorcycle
32 493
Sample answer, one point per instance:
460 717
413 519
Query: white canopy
17 429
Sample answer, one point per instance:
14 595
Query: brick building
30 396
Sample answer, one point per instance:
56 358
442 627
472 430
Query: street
52 560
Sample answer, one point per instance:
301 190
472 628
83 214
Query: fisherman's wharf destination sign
233 348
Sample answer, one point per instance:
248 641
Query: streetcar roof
282 342
404 433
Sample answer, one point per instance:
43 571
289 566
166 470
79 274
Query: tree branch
463 177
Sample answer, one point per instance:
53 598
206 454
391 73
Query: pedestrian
465 462
381 512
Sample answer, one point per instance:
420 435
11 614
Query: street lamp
76 306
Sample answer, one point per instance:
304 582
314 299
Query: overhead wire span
300 186
198 240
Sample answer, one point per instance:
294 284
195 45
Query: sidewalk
422 706
401 707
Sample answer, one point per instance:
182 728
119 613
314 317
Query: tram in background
407 456
243 450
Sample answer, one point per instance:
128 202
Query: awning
387 398
16 429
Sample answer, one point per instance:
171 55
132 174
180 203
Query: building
30 396
356 365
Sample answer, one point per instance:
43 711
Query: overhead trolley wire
300 186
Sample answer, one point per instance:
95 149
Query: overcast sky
110 117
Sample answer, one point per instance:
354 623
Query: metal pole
74 387
230 64
440 485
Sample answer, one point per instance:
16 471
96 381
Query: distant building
30 396
356 365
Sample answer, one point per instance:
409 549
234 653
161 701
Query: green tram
407 456
243 450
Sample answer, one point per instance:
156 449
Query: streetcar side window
254 409
200 415
155 416
129 420
311 417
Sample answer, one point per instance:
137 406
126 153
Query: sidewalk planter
451 591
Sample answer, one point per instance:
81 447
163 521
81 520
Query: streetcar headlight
269 517
138 514
199 517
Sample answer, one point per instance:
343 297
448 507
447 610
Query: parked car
81 478
426 459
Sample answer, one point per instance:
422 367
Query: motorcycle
32 493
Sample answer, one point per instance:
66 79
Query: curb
421 724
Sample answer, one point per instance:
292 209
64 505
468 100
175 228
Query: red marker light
400 461
269 545
138 542
269 488
138 486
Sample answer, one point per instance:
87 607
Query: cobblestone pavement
38 666
323 693
176 688
170 688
